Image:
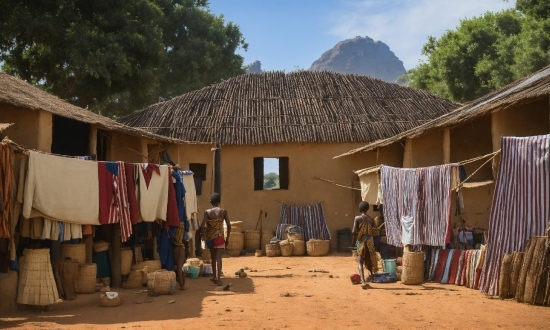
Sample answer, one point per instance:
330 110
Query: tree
271 181
115 57
484 53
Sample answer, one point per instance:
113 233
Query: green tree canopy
271 181
485 53
115 57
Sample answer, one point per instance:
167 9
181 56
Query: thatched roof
17 92
274 107
4 126
528 89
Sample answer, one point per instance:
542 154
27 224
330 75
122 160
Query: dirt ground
281 293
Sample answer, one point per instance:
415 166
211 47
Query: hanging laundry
423 194
172 211
153 193
114 205
131 192
191 207
180 195
520 207
7 159
61 188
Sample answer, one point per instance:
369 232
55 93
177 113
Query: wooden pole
116 243
89 243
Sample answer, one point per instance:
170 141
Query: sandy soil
282 293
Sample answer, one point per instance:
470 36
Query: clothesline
473 173
336 184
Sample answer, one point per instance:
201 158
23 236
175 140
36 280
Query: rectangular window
199 170
270 173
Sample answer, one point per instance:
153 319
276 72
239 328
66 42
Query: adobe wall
32 128
425 150
305 162
128 148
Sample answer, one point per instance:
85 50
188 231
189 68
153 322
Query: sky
290 34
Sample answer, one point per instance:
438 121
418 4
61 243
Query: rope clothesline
479 168
336 183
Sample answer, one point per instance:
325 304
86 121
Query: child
213 234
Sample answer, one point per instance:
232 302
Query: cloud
404 25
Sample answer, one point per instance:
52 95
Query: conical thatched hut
301 119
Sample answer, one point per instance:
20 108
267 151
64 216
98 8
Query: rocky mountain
363 56
254 67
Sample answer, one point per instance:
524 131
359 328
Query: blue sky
285 34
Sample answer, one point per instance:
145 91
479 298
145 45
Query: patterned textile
113 197
366 249
421 193
454 266
310 218
441 263
447 269
433 264
520 205
459 272
214 228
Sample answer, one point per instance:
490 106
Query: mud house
473 130
46 123
300 120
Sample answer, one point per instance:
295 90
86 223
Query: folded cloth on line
61 188
407 226
154 194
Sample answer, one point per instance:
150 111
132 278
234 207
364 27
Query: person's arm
201 228
354 232
228 225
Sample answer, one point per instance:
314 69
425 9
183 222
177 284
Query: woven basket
105 301
152 265
286 250
162 282
69 274
75 252
101 246
259 253
85 283
236 241
529 250
136 279
233 253
299 248
504 276
295 237
36 284
236 226
252 240
515 270
317 247
206 254
272 250
195 262
413 268
126 256
284 242
399 272
267 235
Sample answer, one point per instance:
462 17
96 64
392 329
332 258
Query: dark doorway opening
70 137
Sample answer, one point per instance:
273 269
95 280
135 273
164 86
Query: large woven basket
272 250
233 253
36 283
106 301
299 247
286 250
530 291
85 283
101 246
413 268
252 240
267 235
162 282
69 274
317 247
236 226
504 276
75 252
195 262
136 279
126 256
236 241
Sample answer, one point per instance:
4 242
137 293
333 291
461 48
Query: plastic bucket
389 266
193 272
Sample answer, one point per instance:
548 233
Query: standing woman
364 231
212 228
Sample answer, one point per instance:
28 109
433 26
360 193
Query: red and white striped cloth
423 193
520 205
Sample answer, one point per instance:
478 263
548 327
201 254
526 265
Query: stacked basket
294 236
252 240
286 248
235 243
266 237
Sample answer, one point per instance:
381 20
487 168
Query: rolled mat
504 276
446 271
440 267
516 269
454 266
534 270
529 250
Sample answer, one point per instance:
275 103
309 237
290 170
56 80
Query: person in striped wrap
363 233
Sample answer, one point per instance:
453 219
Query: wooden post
116 243
447 146
88 240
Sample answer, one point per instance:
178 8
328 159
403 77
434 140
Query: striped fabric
520 205
310 218
119 210
423 193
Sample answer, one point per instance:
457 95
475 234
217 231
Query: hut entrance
70 137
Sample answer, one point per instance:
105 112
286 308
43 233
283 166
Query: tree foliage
115 57
485 53
271 181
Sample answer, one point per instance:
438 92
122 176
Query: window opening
270 173
70 137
